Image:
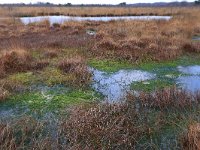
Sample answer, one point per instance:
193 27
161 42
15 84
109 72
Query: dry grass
91 11
77 67
101 126
146 40
16 60
135 41
3 94
192 139
50 54
29 134
169 98
123 125
110 126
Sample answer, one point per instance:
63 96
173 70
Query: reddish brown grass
78 68
50 54
109 126
15 61
121 125
169 98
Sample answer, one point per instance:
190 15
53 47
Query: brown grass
91 11
142 40
135 41
40 64
17 60
78 68
28 131
169 98
3 94
192 140
111 126
50 54
122 125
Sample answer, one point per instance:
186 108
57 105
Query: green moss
186 60
51 101
152 85
27 78
36 54
110 65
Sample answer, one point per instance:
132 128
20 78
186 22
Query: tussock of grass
15 61
77 67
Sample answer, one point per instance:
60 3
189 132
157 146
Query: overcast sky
88 1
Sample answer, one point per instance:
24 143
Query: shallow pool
115 86
62 19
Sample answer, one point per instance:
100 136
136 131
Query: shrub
77 67
15 61
104 127
169 98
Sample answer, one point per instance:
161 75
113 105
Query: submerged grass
186 60
152 85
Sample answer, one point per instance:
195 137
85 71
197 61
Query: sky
88 1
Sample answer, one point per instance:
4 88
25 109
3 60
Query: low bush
77 67
15 61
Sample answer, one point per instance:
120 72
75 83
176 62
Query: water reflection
192 70
62 19
115 86
189 83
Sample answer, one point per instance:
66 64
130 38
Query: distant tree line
197 2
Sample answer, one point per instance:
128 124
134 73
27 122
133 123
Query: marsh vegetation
120 84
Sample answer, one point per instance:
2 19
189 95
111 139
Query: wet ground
114 86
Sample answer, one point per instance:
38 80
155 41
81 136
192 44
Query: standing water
191 80
115 86
62 19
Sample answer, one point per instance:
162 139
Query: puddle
196 38
62 19
9 114
189 83
115 86
190 70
